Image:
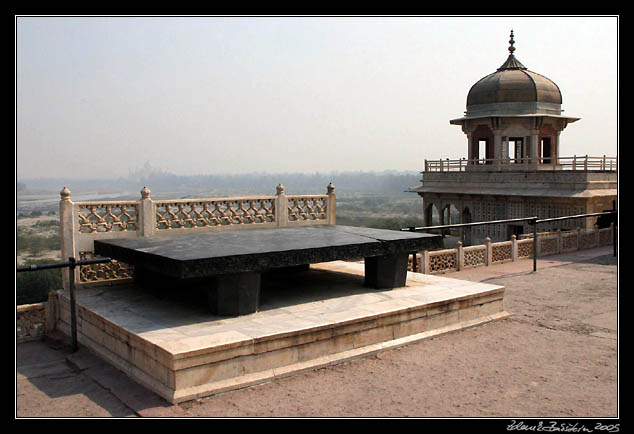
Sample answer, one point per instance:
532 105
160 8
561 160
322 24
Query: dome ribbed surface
513 85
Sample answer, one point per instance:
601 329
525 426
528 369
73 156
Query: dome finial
511 42
511 61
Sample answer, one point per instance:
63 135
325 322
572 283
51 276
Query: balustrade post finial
67 230
65 193
459 256
281 207
332 204
147 216
145 193
488 252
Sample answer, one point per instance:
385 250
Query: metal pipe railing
461 225
69 263
72 263
533 221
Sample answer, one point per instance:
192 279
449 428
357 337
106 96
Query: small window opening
515 149
546 150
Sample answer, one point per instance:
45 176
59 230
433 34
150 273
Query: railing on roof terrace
575 163
450 258
81 223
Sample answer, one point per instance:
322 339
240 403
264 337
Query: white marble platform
179 350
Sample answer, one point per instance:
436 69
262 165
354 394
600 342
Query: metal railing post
531 221
73 315
534 223
72 264
614 229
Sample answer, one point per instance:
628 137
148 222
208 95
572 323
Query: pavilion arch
448 210
432 215
466 232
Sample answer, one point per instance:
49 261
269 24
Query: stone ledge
325 361
31 321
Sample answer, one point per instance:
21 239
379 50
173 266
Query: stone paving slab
129 392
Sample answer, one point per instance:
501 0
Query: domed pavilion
513 116
513 121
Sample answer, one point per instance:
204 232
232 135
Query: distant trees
28 241
34 286
393 223
390 182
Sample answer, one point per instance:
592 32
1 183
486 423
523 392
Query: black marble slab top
212 253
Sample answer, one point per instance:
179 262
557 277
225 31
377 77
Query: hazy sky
101 96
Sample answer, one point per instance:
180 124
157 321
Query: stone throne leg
227 294
234 294
389 271
156 283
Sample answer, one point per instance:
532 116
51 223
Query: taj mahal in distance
513 169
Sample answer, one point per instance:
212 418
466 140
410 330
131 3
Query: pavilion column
505 149
533 146
469 148
498 149
443 220
555 147
427 211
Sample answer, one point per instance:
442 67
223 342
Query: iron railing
533 221
72 263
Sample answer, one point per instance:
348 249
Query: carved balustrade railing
81 223
548 243
574 163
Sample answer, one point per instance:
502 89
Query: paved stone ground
556 357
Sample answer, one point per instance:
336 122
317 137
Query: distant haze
102 97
